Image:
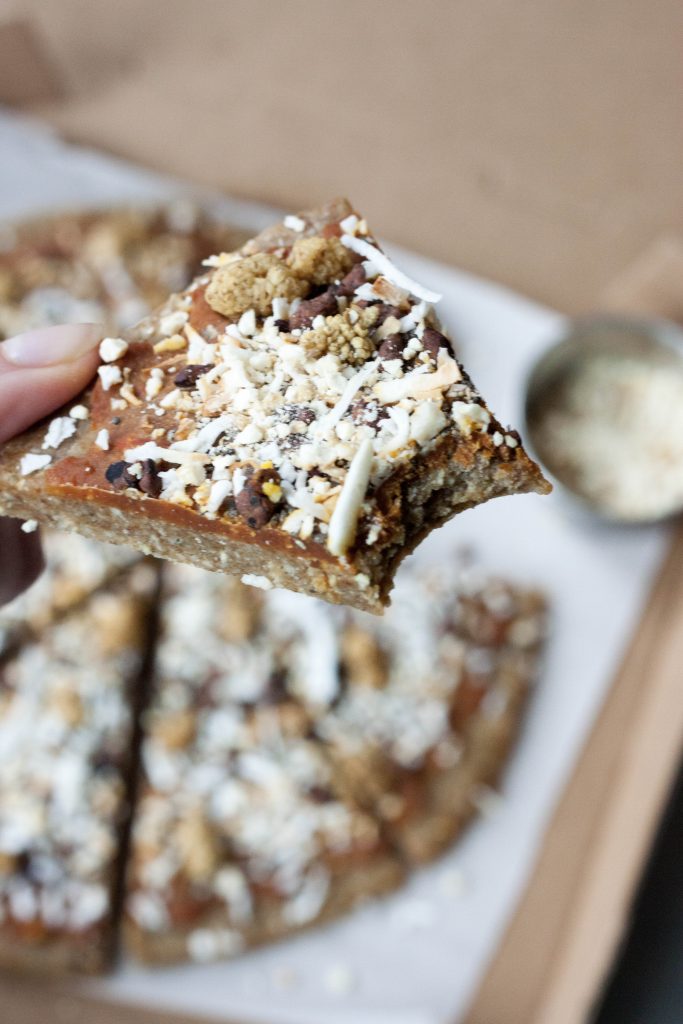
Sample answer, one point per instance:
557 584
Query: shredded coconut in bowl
611 429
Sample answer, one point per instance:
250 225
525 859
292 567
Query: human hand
39 371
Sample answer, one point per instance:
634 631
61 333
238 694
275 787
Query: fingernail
47 346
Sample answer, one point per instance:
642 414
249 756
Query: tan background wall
535 141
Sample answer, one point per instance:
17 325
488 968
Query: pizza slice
67 709
296 417
243 832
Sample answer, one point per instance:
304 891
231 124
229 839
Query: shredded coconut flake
149 450
387 268
102 440
220 490
352 388
345 516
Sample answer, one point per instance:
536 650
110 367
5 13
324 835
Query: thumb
41 370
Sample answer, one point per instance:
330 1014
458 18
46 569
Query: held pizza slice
296 416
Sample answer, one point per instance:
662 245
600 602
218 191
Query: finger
41 370
21 559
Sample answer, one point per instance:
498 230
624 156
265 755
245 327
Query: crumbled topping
171 323
175 343
612 430
60 429
470 416
109 375
31 463
102 440
79 412
112 349
294 223
30 526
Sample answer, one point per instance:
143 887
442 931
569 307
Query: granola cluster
347 335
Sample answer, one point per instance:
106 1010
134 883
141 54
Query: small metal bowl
657 343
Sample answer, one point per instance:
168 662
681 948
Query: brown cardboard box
537 143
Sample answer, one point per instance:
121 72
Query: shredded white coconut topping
383 265
345 516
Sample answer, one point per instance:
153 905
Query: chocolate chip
118 476
433 340
252 504
190 374
309 309
369 412
392 347
276 688
290 413
354 279
385 311
320 794
115 421
150 481
282 325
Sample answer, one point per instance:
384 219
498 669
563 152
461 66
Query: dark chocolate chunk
392 347
290 413
368 411
118 476
252 504
309 309
150 481
385 311
433 340
354 279
276 689
190 374
320 794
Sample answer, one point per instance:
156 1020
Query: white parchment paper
416 957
